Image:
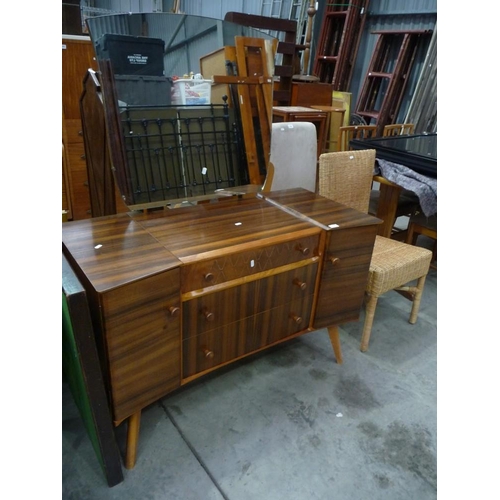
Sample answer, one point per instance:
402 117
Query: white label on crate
204 170
137 59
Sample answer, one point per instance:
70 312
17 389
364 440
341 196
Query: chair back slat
398 129
346 134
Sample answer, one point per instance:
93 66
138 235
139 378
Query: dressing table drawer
142 336
217 347
200 275
213 310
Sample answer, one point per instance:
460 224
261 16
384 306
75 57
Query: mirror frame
245 113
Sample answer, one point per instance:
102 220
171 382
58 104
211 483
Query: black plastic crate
143 90
132 55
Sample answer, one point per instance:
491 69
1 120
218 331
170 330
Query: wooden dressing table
177 293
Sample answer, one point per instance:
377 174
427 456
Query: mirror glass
187 104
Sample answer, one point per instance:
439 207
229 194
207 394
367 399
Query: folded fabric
424 187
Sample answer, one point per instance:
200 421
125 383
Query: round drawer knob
301 284
209 277
209 316
207 352
174 311
296 319
302 249
334 260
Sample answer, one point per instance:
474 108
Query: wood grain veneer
175 294
141 327
77 57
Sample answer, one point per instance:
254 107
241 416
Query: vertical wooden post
311 11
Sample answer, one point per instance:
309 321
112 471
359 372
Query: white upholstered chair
293 158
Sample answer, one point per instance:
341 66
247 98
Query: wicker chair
346 177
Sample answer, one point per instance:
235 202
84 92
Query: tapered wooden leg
416 301
333 332
134 423
371 305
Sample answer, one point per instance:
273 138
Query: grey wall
382 15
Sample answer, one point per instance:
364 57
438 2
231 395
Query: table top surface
418 152
113 250
295 109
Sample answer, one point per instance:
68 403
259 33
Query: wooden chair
346 177
346 134
427 226
287 48
408 203
398 129
293 159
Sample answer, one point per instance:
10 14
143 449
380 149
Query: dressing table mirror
183 105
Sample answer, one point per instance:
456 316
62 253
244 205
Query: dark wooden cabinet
178 293
77 57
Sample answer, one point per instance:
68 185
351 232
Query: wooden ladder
339 40
387 75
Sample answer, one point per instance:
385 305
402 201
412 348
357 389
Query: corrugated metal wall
422 110
205 36
395 15
382 15
218 9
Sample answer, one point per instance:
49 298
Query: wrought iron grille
181 151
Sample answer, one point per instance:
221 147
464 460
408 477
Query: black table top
418 152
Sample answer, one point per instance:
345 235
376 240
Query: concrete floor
289 423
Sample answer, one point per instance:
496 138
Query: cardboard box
212 64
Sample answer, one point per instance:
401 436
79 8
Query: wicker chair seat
395 264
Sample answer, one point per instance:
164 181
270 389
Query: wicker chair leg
416 301
371 305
